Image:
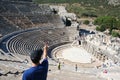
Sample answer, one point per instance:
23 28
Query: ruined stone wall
98 53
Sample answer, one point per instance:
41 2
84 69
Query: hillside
93 7
94 2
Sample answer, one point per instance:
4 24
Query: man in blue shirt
38 71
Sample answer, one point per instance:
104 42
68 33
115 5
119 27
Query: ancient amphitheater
25 26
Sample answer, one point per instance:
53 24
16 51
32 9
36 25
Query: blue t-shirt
37 73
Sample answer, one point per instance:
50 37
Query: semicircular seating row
26 42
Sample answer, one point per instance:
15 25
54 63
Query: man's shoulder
28 71
44 62
27 74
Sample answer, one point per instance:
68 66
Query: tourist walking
76 67
59 66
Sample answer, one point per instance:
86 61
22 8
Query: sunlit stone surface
75 54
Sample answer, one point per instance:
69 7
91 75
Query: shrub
86 22
88 14
98 28
115 34
101 28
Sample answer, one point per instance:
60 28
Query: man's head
36 56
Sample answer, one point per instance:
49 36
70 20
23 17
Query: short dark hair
36 56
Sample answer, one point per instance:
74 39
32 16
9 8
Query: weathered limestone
102 47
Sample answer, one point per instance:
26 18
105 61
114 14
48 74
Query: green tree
107 22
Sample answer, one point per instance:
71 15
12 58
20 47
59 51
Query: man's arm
45 51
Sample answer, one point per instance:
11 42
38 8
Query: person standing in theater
38 71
